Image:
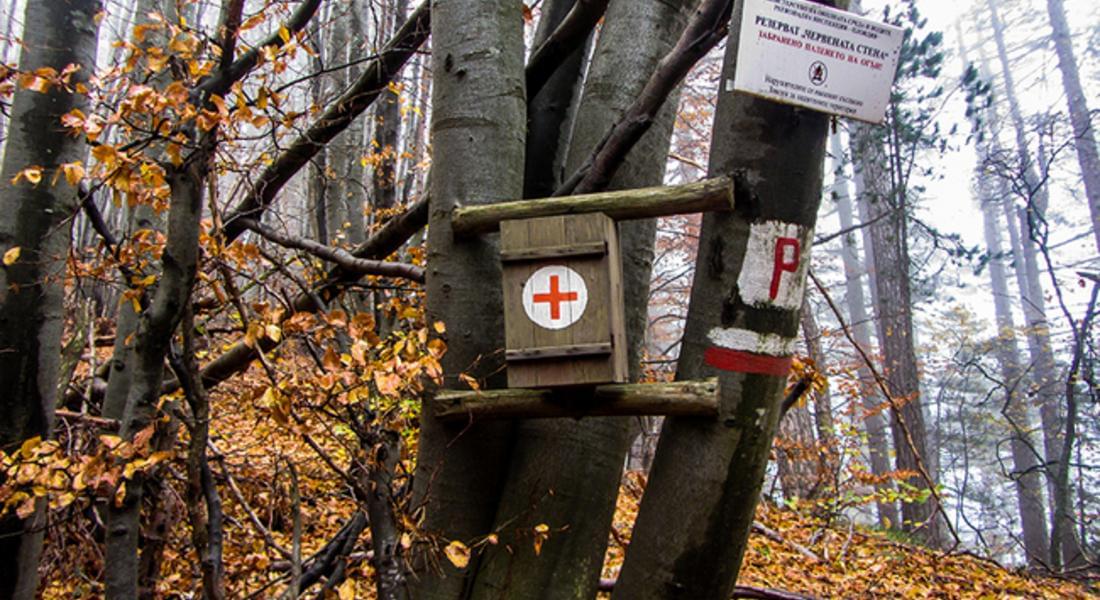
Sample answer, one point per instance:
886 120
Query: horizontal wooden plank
546 352
702 196
540 253
681 398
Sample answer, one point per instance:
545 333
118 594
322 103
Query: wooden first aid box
563 301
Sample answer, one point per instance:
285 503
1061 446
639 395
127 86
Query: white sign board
555 296
810 55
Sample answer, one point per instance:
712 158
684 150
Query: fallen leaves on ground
855 562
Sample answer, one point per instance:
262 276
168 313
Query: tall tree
1028 480
1079 115
34 234
884 158
874 421
886 210
478 117
184 186
387 125
693 524
1043 371
796 455
566 474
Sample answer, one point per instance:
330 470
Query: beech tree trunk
387 125
479 111
874 421
36 217
344 211
565 473
1043 371
796 453
1028 479
151 346
693 524
823 404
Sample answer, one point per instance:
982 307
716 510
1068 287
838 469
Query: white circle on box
555 296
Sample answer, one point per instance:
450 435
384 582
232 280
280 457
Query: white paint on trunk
774 271
744 340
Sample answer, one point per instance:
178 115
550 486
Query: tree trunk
478 117
56 34
1079 115
344 216
1044 384
693 524
889 243
823 404
1028 479
796 453
151 346
139 217
874 422
550 112
387 124
567 473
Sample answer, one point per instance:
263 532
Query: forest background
217 336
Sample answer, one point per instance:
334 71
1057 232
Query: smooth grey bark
387 126
124 360
823 404
890 247
139 217
151 345
565 473
36 220
1043 370
317 178
806 441
1079 115
1026 475
858 321
344 210
693 524
479 112
549 112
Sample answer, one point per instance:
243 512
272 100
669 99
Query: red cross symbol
555 297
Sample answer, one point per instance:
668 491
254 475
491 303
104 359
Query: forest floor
257 434
794 552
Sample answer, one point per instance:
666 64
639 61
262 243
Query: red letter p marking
787 253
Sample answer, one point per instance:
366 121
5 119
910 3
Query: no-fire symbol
818 72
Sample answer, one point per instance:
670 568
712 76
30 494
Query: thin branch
220 82
880 382
343 258
373 81
707 27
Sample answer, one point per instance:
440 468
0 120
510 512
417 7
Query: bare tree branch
346 260
376 76
707 27
220 82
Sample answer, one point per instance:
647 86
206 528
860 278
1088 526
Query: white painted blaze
774 271
555 296
771 344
